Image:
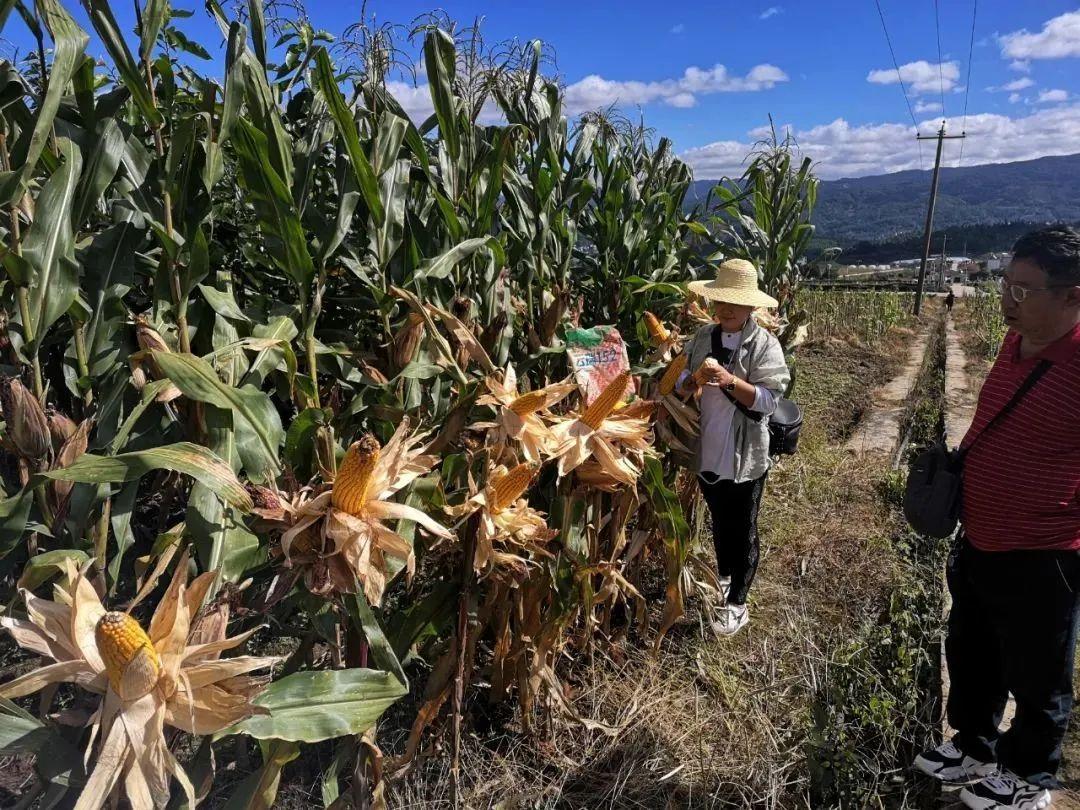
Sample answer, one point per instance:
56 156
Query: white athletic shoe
731 620
1006 791
948 763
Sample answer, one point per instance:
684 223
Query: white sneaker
948 763
1006 791
731 620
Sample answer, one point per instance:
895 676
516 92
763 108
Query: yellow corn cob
671 375
354 476
131 661
509 487
604 404
528 403
657 331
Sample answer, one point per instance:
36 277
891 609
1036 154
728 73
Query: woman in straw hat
737 372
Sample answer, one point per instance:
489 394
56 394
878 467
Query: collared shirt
1022 479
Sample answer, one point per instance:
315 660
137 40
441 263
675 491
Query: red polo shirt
1021 480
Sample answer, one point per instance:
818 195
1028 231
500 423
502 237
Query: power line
967 89
899 77
941 74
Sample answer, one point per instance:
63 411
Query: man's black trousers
1012 629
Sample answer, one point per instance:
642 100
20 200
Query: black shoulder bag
933 496
785 423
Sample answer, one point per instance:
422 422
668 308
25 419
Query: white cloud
771 11
1013 86
921 76
843 150
1020 65
678 29
1053 96
1060 37
1014 97
416 101
927 106
594 92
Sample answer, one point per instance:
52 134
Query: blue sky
708 74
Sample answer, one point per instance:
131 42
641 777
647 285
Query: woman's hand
712 373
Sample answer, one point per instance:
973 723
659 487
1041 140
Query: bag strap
1025 386
717 340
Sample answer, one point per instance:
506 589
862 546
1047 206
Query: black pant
734 510
1012 629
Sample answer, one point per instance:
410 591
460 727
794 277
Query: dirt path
879 431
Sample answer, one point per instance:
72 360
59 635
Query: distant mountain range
891 208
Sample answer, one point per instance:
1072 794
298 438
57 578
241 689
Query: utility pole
941 137
941 268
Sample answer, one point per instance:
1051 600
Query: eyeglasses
1019 293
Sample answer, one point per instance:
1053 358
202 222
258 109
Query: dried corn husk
27 428
61 427
407 341
143 365
553 316
71 450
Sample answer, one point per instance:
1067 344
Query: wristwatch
730 387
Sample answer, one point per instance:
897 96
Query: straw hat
735 283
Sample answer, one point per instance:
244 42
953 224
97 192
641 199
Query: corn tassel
671 375
354 477
509 487
658 333
528 403
131 661
604 404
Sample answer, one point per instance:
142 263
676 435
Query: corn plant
285 368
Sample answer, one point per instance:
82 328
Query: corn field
866 316
286 372
984 326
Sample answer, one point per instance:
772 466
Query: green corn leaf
153 17
14 512
314 706
199 462
251 408
442 265
41 567
134 80
278 218
223 303
123 505
259 790
58 761
346 127
69 42
50 246
440 60
99 170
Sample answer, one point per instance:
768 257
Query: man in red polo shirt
1014 575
